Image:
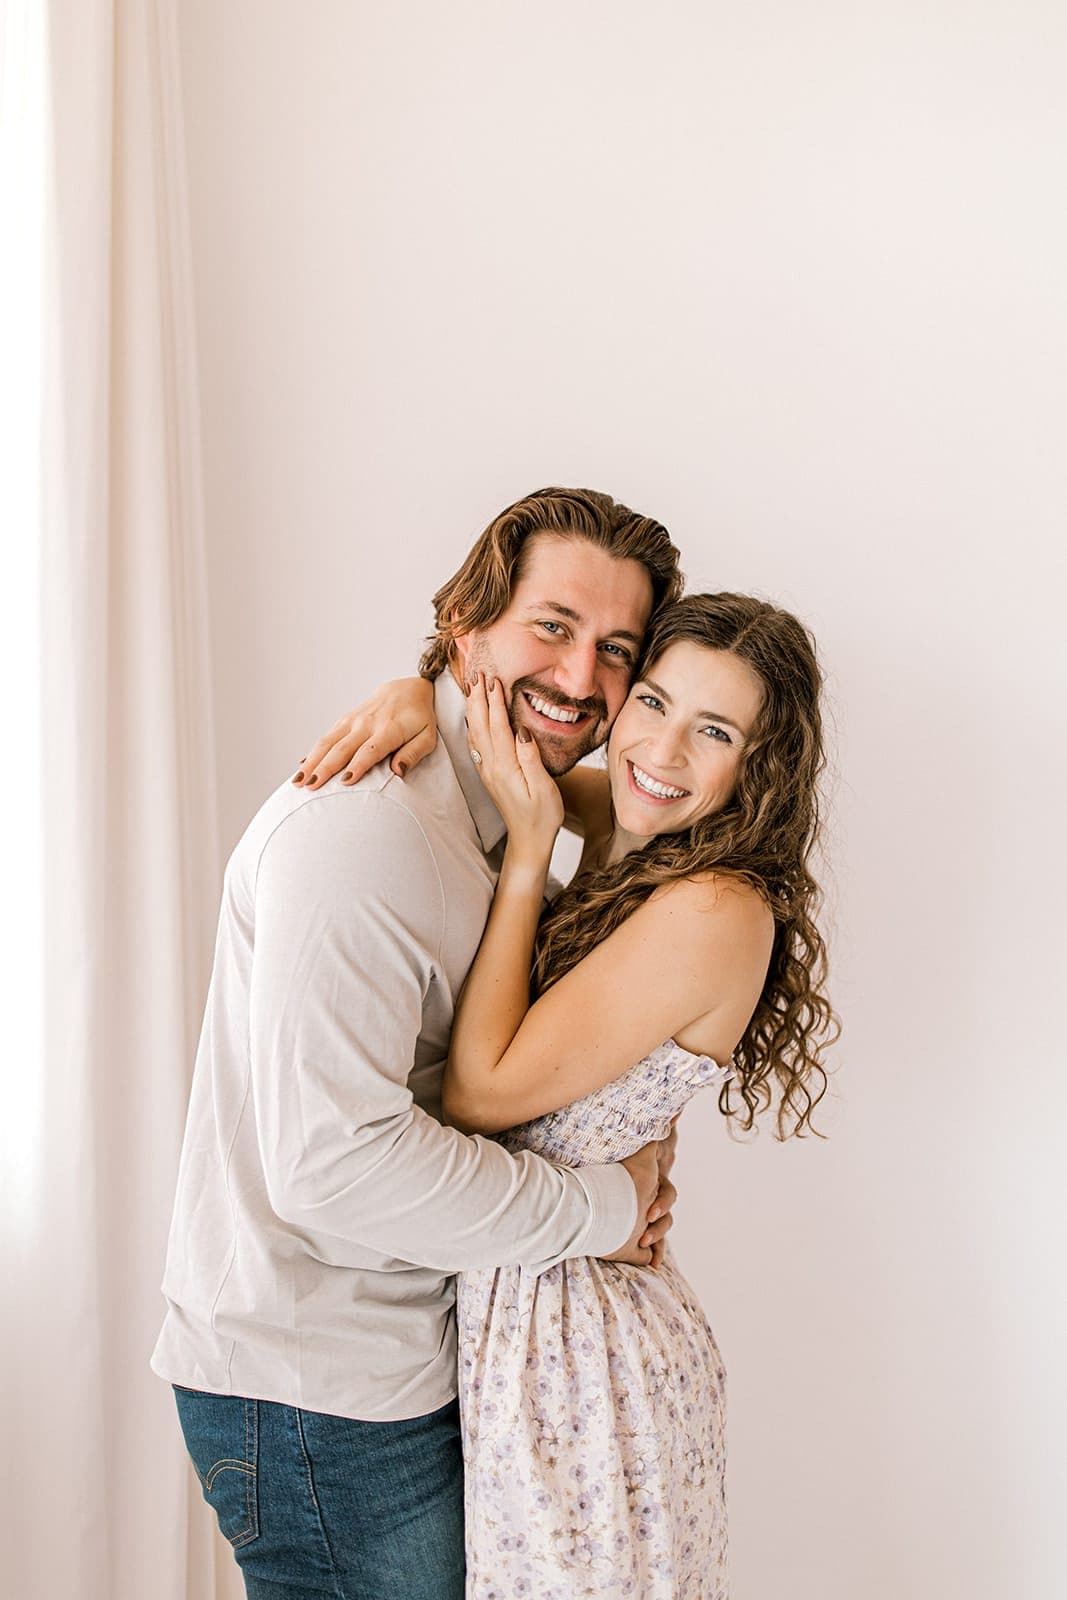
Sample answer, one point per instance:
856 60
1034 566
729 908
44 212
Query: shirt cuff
613 1202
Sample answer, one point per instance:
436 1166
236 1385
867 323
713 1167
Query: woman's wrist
525 865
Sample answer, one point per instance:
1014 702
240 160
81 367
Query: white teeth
662 791
557 713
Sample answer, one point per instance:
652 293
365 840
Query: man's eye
553 627
618 651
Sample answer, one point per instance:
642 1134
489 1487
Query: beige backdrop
789 276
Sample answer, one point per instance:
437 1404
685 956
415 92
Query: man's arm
349 915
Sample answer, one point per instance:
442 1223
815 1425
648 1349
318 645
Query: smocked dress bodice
624 1114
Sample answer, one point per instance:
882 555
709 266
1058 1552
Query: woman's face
676 746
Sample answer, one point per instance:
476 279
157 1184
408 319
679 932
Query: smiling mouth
651 788
561 717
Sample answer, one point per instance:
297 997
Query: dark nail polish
347 778
298 777
401 770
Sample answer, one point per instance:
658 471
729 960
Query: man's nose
576 672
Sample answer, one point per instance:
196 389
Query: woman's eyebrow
706 716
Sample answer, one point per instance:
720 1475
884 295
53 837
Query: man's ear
461 644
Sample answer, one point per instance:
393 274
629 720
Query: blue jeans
315 1505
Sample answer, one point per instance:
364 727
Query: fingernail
524 736
348 777
655 1214
401 769
298 777
313 780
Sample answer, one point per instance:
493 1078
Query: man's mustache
593 707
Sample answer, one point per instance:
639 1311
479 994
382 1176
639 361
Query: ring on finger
476 757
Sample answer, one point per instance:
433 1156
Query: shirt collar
450 707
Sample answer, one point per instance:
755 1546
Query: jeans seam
339 1587
251 1489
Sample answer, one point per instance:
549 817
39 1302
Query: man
322 1208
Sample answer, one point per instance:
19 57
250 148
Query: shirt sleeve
349 914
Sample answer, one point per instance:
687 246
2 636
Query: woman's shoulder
714 897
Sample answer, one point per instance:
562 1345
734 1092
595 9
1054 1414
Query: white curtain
98 1501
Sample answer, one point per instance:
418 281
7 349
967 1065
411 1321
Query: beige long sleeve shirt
321 1207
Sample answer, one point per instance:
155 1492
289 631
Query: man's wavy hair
764 837
482 588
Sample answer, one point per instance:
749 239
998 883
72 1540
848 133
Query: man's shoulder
333 812
381 811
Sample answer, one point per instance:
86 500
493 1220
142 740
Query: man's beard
559 753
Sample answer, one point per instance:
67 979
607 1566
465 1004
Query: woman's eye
720 734
651 701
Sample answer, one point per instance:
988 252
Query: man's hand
661 1214
656 1194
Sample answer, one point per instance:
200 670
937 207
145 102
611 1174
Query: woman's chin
637 823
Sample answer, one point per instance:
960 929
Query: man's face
566 647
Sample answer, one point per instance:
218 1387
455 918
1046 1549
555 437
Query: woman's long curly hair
763 837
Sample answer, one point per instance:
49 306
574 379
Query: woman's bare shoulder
714 898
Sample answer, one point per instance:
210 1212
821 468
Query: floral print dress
592 1395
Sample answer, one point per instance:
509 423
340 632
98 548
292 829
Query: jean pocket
222 1437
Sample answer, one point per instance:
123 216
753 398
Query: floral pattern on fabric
593 1396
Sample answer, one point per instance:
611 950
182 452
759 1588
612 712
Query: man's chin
559 751
558 756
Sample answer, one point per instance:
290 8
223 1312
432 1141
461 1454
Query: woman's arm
398 720
496 994
696 952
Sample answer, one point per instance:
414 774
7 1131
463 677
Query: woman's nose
667 747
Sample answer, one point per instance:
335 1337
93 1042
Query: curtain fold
99 1498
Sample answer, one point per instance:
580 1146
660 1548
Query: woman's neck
609 848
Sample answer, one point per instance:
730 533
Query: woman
592 1396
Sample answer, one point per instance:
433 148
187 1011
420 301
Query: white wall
789 276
